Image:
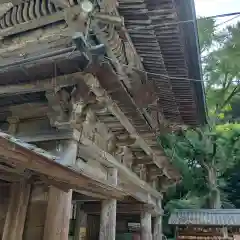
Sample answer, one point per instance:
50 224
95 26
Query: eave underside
160 42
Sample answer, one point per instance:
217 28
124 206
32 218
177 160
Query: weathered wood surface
122 208
4 200
36 214
157 228
17 211
40 85
142 139
108 220
109 211
15 152
107 159
146 226
81 222
58 215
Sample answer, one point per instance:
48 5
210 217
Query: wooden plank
40 85
58 215
17 210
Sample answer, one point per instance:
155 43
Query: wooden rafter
160 160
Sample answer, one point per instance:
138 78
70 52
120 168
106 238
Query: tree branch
231 95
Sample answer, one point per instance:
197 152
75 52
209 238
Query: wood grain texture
146 226
157 228
108 212
58 215
17 210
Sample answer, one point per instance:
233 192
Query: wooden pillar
157 228
108 212
146 226
13 125
157 225
17 211
58 214
81 220
60 202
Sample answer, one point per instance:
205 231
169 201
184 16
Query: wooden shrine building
85 89
203 224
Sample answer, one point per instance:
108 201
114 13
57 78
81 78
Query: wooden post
60 202
146 226
17 210
13 125
58 214
108 212
157 227
81 220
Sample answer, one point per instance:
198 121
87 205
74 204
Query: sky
207 8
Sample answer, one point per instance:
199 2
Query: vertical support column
146 226
58 214
17 211
60 202
157 227
81 220
108 212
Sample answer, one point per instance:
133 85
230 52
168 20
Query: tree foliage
202 156
221 64
208 156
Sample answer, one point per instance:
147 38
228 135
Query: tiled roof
210 217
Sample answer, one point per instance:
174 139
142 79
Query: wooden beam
145 161
40 85
44 163
43 137
107 159
17 211
10 176
146 226
122 208
102 95
56 226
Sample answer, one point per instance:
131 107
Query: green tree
221 65
203 156
206 33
